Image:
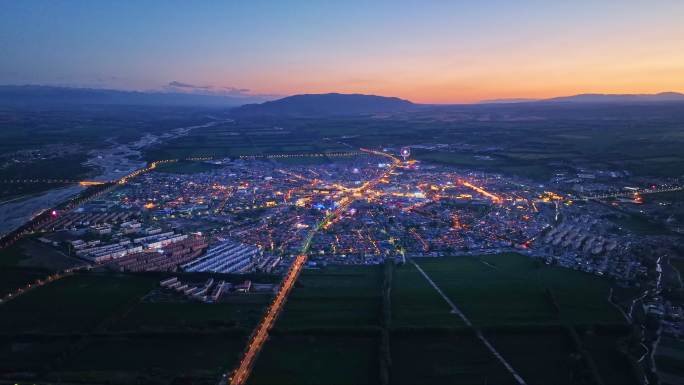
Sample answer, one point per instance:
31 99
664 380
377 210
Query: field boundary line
478 333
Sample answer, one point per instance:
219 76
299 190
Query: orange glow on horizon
530 72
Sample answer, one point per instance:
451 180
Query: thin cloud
202 89
178 84
207 89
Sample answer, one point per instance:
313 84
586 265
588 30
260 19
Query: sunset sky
425 51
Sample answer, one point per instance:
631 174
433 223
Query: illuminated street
260 335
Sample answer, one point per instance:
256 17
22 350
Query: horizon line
272 97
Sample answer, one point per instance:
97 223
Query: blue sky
443 51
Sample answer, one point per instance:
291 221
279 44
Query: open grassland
606 347
342 324
30 254
11 256
195 359
95 328
540 356
21 356
317 358
241 313
74 304
532 143
640 224
670 361
416 303
331 323
335 297
444 357
245 139
562 355
529 168
506 289
554 325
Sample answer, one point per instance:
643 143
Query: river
112 163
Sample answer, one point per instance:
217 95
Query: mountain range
619 98
326 104
355 104
296 105
39 95
597 98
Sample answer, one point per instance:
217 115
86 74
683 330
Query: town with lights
365 208
341 192
248 227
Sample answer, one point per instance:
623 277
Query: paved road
260 334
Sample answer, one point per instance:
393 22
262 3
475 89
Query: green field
443 357
30 254
330 323
540 356
524 306
12 255
335 297
508 289
670 360
29 355
243 312
416 303
678 264
78 303
317 358
345 324
640 224
646 140
94 328
533 144
530 168
198 359
249 138
604 346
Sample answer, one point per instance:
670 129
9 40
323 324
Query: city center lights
494 198
341 231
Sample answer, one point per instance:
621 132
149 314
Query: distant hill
32 95
662 97
325 104
618 98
